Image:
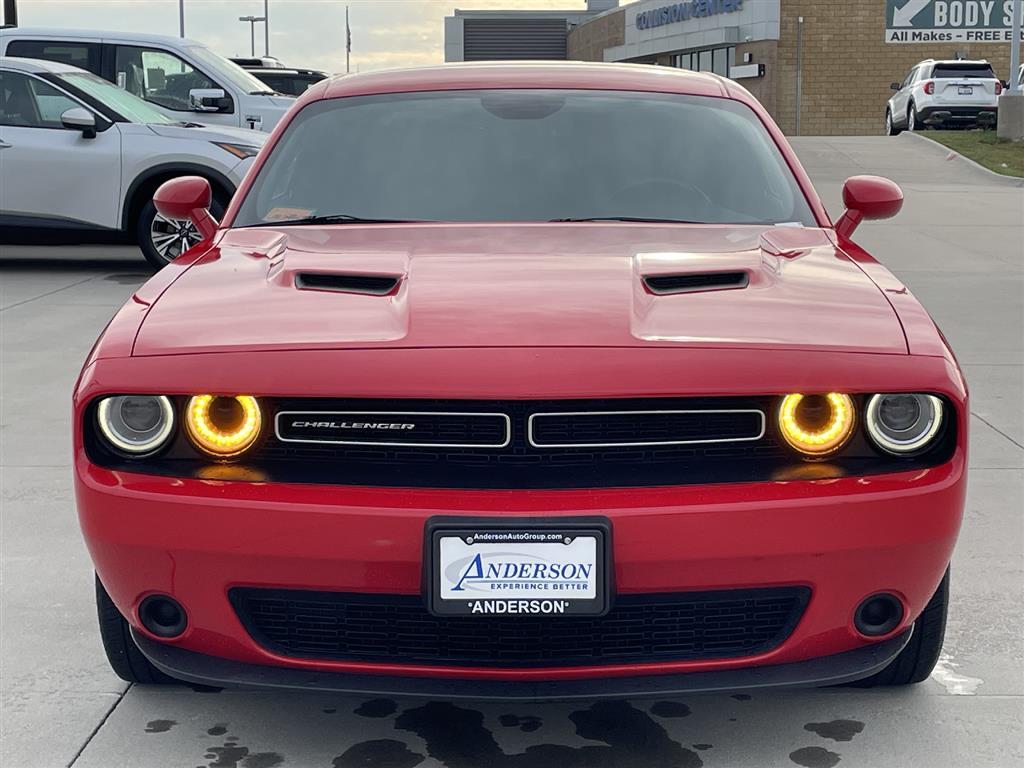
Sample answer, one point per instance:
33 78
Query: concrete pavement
959 244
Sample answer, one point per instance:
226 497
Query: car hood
530 285
223 133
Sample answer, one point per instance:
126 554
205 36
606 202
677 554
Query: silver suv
944 93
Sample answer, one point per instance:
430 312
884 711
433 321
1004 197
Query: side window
158 76
83 55
910 77
28 102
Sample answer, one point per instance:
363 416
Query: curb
952 154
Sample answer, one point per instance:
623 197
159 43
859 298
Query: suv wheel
916 662
890 126
913 124
124 656
162 240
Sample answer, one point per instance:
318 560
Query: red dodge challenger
523 381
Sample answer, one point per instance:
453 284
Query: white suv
182 78
79 154
944 93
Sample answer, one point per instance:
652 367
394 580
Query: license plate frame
493 530
965 90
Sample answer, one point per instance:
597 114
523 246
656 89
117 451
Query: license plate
509 569
966 90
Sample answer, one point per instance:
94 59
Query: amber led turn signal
223 426
817 425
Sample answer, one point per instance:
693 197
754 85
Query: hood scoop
368 285
692 282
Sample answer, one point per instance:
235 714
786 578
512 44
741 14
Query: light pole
252 30
266 27
1011 103
181 18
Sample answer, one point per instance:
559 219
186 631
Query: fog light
817 425
223 426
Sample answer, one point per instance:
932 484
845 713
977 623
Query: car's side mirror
80 119
208 100
895 86
187 198
868 198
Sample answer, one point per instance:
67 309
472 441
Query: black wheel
913 124
890 126
916 662
162 240
124 656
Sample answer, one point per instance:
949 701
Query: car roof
954 61
36 66
285 71
530 74
93 34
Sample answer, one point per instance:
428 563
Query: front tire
124 656
890 126
162 240
916 662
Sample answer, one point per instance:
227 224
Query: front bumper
844 539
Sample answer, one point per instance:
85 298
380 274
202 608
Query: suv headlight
903 423
136 424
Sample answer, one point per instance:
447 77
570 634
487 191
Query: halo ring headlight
223 426
817 425
135 424
903 423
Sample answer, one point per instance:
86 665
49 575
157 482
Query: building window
717 60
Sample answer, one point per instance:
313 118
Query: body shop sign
948 21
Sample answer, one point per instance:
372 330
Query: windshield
128 105
527 155
230 71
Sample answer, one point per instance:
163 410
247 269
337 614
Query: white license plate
966 90
489 571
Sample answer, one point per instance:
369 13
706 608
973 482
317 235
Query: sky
303 33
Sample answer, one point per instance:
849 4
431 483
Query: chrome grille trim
393 444
752 438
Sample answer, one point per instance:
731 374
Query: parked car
523 381
953 93
256 62
292 82
78 153
182 78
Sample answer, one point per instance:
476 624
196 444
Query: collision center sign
948 21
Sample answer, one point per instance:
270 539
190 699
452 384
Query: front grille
638 629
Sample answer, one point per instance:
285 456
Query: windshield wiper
334 218
636 219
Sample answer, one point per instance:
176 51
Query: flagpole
348 43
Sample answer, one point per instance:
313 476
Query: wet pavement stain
160 726
814 757
741 696
670 709
526 724
235 756
703 747
457 738
381 753
218 730
377 708
329 711
837 730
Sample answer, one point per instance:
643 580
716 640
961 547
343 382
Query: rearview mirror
208 100
895 87
187 198
868 198
80 119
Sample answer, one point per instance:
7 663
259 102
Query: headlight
223 426
136 424
903 423
817 425
241 151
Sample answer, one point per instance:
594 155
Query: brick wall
848 66
588 41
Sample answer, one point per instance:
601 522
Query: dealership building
821 67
